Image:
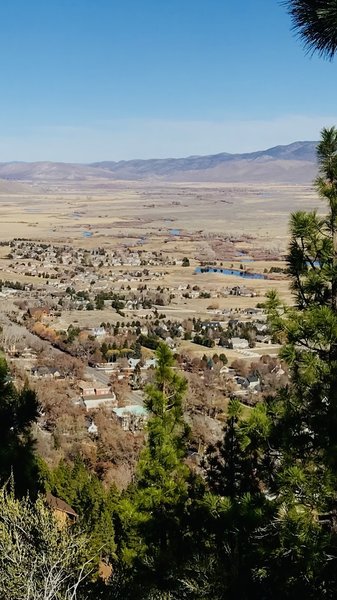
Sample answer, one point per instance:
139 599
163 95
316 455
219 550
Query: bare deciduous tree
39 558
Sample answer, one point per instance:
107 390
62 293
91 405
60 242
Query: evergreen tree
230 469
304 435
94 504
315 22
18 411
152 516
235 508
309 329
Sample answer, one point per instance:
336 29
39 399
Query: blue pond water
87 233
175 231
235 272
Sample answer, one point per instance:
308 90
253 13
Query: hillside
293 163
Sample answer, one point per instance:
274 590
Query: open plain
95 274
117 210
238 227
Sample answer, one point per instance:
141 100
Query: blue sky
86 80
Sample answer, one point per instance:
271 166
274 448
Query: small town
87 323
168 300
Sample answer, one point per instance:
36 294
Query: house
238 343
98 332
102 389
278 371
170 343
133 362
254 382
233 323
94 402
181 330
94 395
238 290
263 339
45 372
62 511
226 370
252 311
87 388
242 381
28 354
261 327
150 363
132 417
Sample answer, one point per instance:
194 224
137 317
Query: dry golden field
193 220
129 210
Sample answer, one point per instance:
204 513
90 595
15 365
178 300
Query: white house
238 343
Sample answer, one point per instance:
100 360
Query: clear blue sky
86 80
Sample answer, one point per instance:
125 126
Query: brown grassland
192 220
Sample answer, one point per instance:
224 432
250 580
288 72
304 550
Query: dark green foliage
309 330
18 411
315 23
230 469
95 505
203 341
152 515
256 519
99 301
305 415
148 341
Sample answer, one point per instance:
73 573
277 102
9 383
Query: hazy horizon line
180 157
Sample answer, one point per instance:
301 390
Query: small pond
235 272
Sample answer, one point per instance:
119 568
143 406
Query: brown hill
294 163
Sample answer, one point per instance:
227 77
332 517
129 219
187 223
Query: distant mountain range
294 163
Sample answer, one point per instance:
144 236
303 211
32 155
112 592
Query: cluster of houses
94 395
37 257
241 290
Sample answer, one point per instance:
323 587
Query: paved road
97 374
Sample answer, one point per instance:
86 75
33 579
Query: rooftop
134 409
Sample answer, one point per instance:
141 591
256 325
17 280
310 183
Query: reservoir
235 272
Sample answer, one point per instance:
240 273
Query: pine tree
94 504
235 507
152 516
18 412
315 22
309 329
304 435
225 464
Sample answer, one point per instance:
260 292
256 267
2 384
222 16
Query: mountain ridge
295 162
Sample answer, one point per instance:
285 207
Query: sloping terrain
294 163
49 171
